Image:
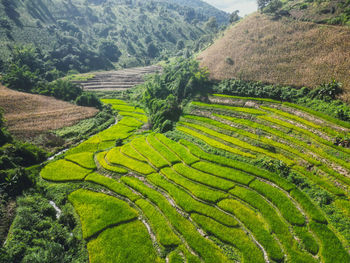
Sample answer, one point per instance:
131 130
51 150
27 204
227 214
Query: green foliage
332 249
233 236
177 148
63 170
38 236
163 150
163 94
98 211
130 151
109 49
255 224
85 160
165 235
203 178
101 158
188 203
283 203
114 156
127 243
112 185
88 99
200 191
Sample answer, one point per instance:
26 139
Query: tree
234 16
110 50
263 3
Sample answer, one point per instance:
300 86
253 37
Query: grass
310 208
279 199
224 172
188 203
165 235
307 239
207 250
170 156
85 159
234 236
245 98
139 116
98 211
130 151
255 224
114 156
213 142
246 167
200 191
115 132
238 142
332 250
140 144
252 111
203 178
130 121
63 170
253 136
127 243
112 185
101 158
90 145
178 149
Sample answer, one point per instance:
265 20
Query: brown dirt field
28 115
286 52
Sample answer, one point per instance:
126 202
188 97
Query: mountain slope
93 34
283 51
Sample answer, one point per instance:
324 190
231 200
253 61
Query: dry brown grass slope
29 115
286 52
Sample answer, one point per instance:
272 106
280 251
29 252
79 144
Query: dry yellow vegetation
285 51
28 115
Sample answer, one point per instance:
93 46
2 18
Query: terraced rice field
167 201
117 80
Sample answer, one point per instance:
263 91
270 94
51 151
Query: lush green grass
332 250
246 167
310 208
307 239
230 108
234 236
130 121
159 224
344 205
130 151
237 142
224 172
114 156
255 224
102 161
85 159
115 132
207 250
203 178
188 203
63 170
175 257
213 142
200 191
140 144
98 211
127 243
139 116
279 199
90 145
112 185
177 148
164 151
246 134
114 102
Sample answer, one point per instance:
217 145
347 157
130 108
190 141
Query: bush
89 99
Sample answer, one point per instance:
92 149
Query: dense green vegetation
90 35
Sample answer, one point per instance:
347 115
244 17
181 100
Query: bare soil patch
29 115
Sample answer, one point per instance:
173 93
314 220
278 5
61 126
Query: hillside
90 35
283 51
29 115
